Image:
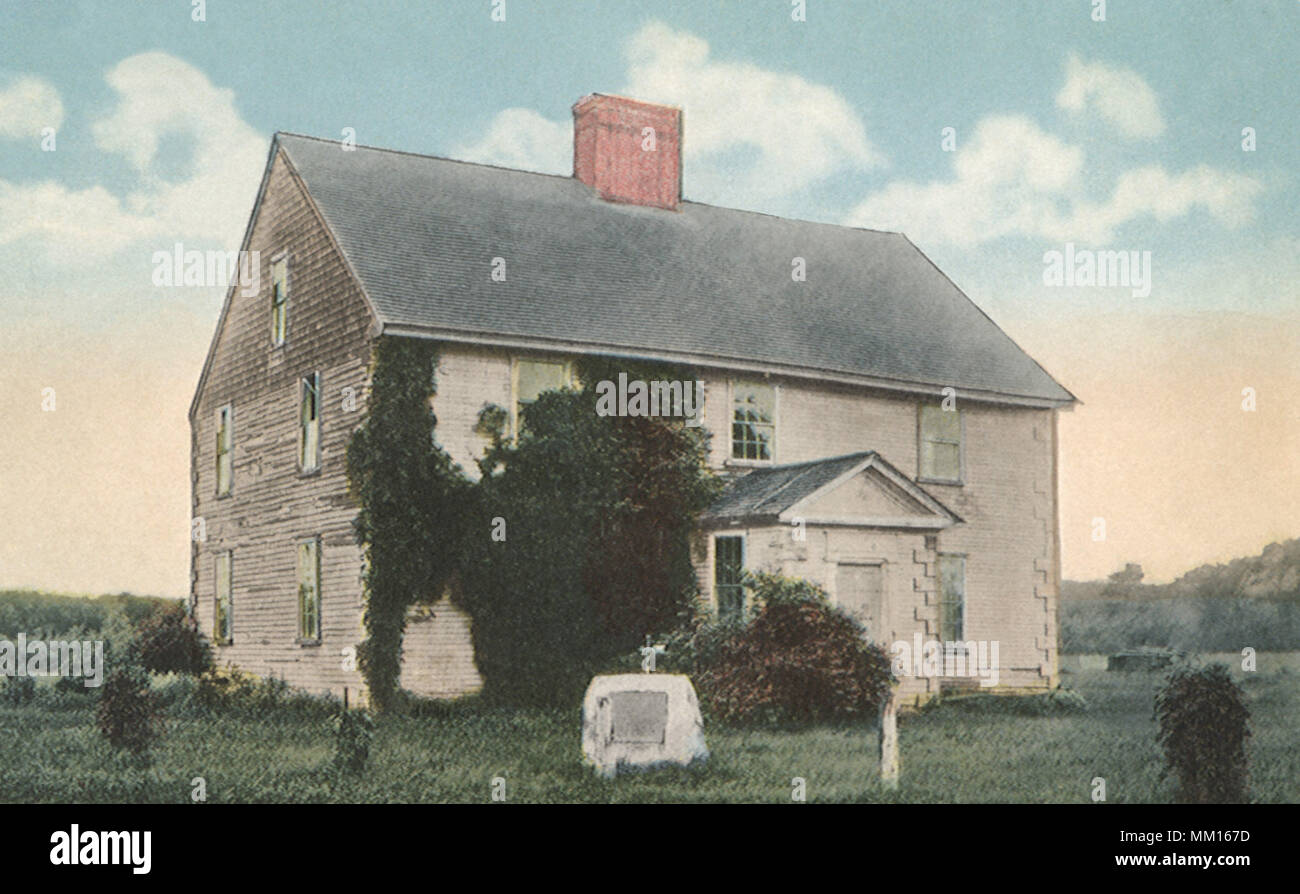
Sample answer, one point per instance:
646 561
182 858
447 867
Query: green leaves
599 511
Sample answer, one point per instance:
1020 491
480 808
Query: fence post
889 757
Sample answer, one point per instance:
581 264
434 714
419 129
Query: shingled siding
272 505
1008 500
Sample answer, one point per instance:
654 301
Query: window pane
940 424
279 298
940 460
221 616
952 598
310 416
728 568
753 414
225 440
940 443
308 591
536 376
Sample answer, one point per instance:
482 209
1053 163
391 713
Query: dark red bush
799 660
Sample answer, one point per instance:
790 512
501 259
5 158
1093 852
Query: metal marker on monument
642 721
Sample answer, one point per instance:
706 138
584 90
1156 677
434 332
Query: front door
860 591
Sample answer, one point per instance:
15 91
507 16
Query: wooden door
860 590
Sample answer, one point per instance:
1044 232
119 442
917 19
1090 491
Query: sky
991 133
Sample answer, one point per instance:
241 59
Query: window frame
738 587
944 600
921 440
228 453
226 637
303 639
280 310
315 380
732 384
570 380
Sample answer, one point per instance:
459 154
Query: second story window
940 444
753 421
309 424
531 379
279 300
225 449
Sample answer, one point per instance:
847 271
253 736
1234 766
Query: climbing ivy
410 493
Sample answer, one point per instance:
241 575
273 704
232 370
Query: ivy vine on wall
409 492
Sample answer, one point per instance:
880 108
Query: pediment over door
859 490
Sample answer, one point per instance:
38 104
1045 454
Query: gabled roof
702 284
781 494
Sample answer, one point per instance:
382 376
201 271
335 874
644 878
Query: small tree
354 731
129 714
169 642
1203 725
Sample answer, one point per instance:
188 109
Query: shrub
19 690
1041 704
169 642
799 660
354 731
229 690
129 715
1203 726
222 688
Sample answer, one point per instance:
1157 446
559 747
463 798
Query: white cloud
523 139
801 132
158 97
1118 95
750 134
1011 177
28 105
1014 179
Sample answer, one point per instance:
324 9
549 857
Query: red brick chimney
628 151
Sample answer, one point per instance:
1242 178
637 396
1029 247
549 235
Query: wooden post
889 757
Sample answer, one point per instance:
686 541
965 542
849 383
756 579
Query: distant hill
1273 574
49 615
1253 601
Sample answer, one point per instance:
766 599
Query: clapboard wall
272 505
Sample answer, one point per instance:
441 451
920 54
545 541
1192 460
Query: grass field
955 752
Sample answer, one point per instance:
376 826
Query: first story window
309 424
279 300
225 449
309 590
952 598
753 421
221 617
940 445
728 574
532 378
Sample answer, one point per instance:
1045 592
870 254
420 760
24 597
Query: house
882 436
